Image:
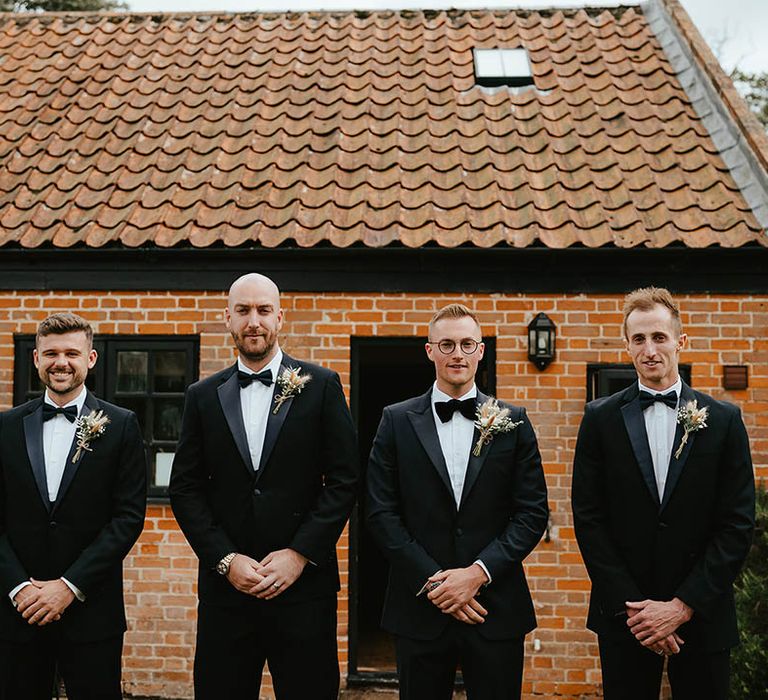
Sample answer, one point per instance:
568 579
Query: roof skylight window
494 67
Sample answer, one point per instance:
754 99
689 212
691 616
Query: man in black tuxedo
663 507
455 526
69 514
263 482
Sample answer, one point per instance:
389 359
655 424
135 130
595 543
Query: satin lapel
676 465
638 437
70 468
475 464
229 398
275 420
33 436
423 423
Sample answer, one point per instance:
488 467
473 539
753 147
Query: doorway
384 371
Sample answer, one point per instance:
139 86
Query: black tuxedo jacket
690 543
299 496
412 515
84 537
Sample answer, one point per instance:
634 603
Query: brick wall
160 571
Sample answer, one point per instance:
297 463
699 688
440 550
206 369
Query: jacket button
256 492
459 532
662 525
53 523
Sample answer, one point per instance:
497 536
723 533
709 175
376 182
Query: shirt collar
438 395
78 401
274 365
677 386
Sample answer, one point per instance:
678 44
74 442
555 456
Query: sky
736 30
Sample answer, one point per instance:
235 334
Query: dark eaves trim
395 269
727 135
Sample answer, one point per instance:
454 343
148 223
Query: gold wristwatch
223 566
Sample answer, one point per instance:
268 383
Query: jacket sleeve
317 535
528 507
728 546
188 490
129 502
610 575
12 572
384 517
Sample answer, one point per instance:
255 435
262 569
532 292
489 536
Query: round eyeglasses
467 346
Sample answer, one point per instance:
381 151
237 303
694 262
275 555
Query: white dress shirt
58 436
256 403
456 444
455 440
660 426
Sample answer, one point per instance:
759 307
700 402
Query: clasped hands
654 623
454 591
43 602
268 578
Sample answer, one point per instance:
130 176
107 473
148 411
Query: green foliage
60 5
754 89
749 676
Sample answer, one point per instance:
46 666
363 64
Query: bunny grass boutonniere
492 419
291 383
692 418
89 428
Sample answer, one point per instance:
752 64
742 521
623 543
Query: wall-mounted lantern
541 340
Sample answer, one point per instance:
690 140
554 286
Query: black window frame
102 380
600 373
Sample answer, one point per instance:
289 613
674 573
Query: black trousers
632 672
492 669
298 641
91 671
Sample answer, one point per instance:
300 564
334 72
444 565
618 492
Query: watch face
222 568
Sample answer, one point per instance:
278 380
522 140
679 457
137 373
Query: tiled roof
352 128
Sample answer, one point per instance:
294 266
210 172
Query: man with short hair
262 484
455 510
72 502
663 506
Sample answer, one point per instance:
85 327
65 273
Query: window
607 379
147 375
494 67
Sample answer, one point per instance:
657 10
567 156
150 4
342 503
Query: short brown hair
645 298
64 322
453 311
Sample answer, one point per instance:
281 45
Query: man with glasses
455 515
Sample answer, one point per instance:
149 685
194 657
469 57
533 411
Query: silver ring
275 585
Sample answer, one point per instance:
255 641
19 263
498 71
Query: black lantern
541 340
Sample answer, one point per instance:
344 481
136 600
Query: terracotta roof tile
352 128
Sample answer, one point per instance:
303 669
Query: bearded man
263 482
72 500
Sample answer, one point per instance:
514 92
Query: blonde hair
452 311
645 298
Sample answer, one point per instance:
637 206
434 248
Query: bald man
263 482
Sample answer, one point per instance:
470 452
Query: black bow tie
70 412
446 409
245 378
648 399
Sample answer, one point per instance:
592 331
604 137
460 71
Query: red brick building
377 166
